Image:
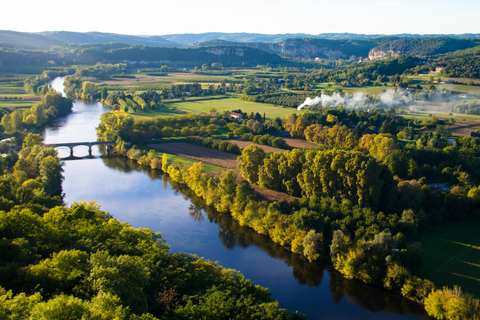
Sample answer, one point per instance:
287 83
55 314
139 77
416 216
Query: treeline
290 100
80 262
120 124
52 106
148 100
268 140
470 107
225 146
364 74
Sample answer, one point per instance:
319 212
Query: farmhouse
236 115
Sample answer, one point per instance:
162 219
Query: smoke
357 100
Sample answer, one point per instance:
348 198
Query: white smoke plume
357 100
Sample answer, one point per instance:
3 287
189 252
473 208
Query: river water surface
147 199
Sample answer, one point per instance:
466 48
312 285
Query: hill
100 37
195 38
310 48
32 41
422 47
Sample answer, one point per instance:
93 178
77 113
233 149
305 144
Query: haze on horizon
269 17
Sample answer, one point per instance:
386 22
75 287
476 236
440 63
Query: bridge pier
89 151
71 151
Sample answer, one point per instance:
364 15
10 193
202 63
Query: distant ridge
102 38
193 38
25 40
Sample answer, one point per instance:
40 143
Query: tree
250 161
51 174
313 244
115 124
382 146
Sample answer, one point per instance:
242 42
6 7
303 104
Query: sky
160 17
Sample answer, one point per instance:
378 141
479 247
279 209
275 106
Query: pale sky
256 16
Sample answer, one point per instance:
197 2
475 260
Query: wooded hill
70 48
100 37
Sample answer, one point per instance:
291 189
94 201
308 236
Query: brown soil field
464 129
243 144
172 78
465 80
183 149
300 144
218 158
431 106
293 143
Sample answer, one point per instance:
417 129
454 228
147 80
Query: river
147 199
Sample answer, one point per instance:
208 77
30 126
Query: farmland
222 104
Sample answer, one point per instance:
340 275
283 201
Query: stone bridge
72 145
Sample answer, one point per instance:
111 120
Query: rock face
297 49
226 51
305 48
377 54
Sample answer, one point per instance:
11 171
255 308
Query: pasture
221 104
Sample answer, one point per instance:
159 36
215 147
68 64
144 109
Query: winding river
147 199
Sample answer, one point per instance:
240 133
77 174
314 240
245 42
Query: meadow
220 104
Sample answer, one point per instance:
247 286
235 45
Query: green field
228 104
427 115
17 104
155 113
451 255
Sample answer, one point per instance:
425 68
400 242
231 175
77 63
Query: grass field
17 104
228 104
156 113
451 255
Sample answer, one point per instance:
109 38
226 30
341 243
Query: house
438 69
236 115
